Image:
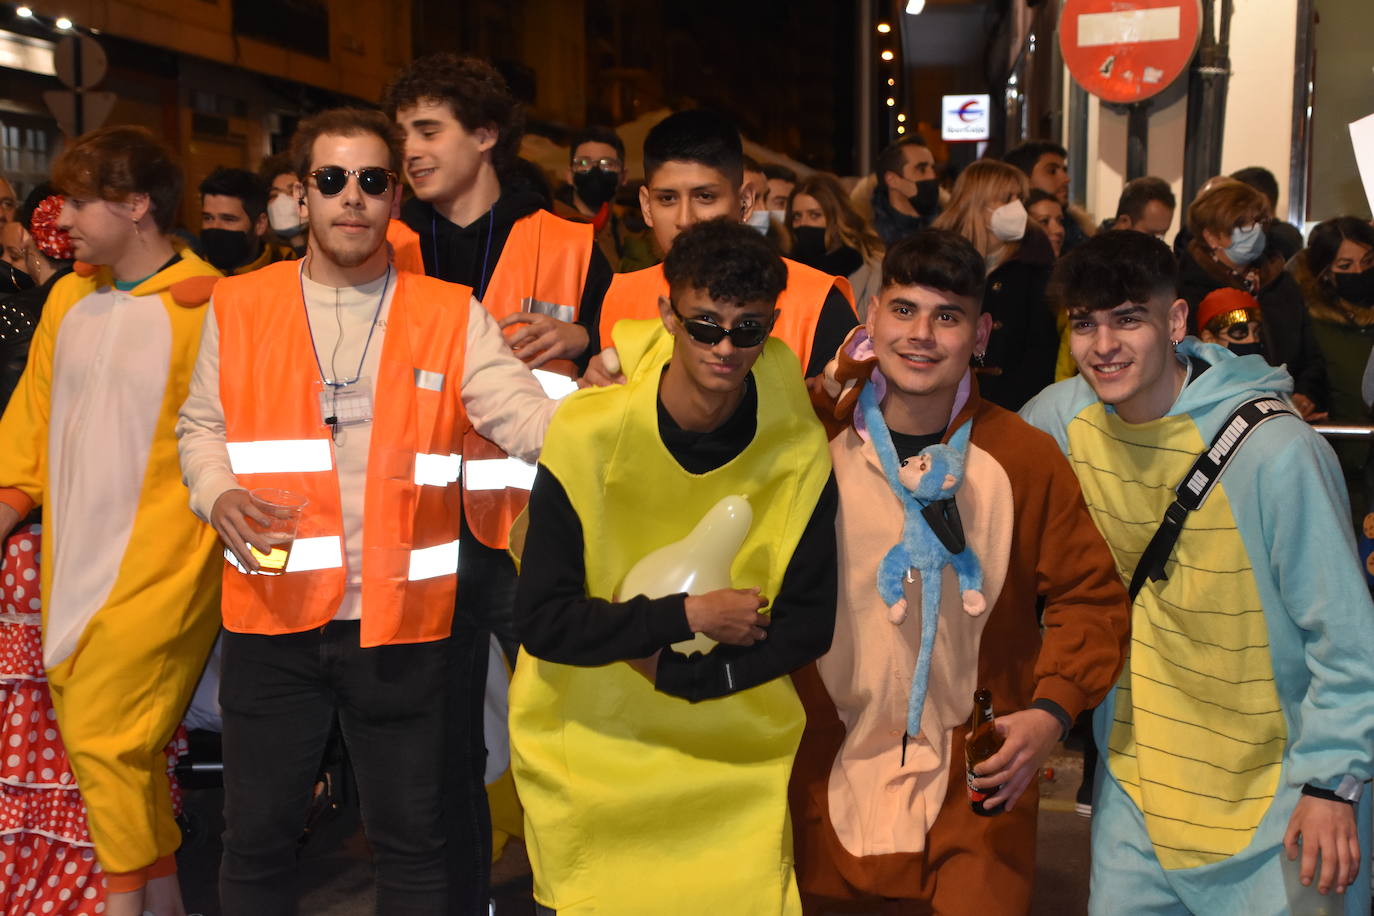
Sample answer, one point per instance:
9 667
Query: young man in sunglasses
347 382
654 776
694 171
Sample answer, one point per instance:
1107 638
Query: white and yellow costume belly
130 589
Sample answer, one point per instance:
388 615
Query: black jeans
279 696
485 605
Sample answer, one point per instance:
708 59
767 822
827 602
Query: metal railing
1344 430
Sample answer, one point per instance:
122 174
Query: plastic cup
283 508
1307 900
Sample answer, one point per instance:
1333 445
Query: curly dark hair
476 94
240 183
939 259
728 259
113 162
1113 267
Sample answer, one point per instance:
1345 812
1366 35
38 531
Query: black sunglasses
708 332
332 179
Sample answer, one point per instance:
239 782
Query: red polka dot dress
47 861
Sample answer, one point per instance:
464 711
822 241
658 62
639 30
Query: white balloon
697 564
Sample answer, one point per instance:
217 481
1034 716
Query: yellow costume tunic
1195 678
637 802
130 583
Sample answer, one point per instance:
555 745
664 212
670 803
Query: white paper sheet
1362 137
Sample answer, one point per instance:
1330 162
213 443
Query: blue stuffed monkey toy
925 479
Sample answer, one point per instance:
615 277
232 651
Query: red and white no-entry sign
1128 50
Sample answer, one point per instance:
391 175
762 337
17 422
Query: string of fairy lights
890 67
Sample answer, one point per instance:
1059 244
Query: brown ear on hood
82 269
835 392
193 292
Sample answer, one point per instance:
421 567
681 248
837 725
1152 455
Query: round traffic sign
1128 50
80 61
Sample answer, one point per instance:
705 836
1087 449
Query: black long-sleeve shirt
468 254
558 622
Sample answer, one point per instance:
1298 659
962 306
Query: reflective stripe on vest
429 562
552 309
280 456
555 386
307 554
498 474
430 381
437 470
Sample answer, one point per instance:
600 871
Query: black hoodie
469 254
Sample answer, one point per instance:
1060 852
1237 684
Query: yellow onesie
130 576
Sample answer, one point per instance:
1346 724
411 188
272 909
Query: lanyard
368 343
481 288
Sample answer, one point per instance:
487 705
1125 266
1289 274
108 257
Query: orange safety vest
277 438
405 247
635 295
543 268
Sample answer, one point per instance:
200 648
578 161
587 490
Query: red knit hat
51 240
1226 306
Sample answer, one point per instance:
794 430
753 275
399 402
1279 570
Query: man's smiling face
1125 352
924 337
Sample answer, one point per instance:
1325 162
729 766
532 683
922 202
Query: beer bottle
983 742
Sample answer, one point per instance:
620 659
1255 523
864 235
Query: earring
978 358
137 229
1174 344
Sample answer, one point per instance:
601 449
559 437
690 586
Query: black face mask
596 186
12 280
926 198
1254 348
808 245
225 248
1357 288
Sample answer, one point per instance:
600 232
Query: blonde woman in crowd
988 208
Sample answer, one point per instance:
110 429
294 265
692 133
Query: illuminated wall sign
966 117
20 52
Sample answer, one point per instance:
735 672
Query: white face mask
758 220
1008 221
284 215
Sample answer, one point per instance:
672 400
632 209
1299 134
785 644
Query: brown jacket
869 825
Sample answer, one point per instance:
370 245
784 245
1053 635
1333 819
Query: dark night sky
784 70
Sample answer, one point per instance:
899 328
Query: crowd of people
621 516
